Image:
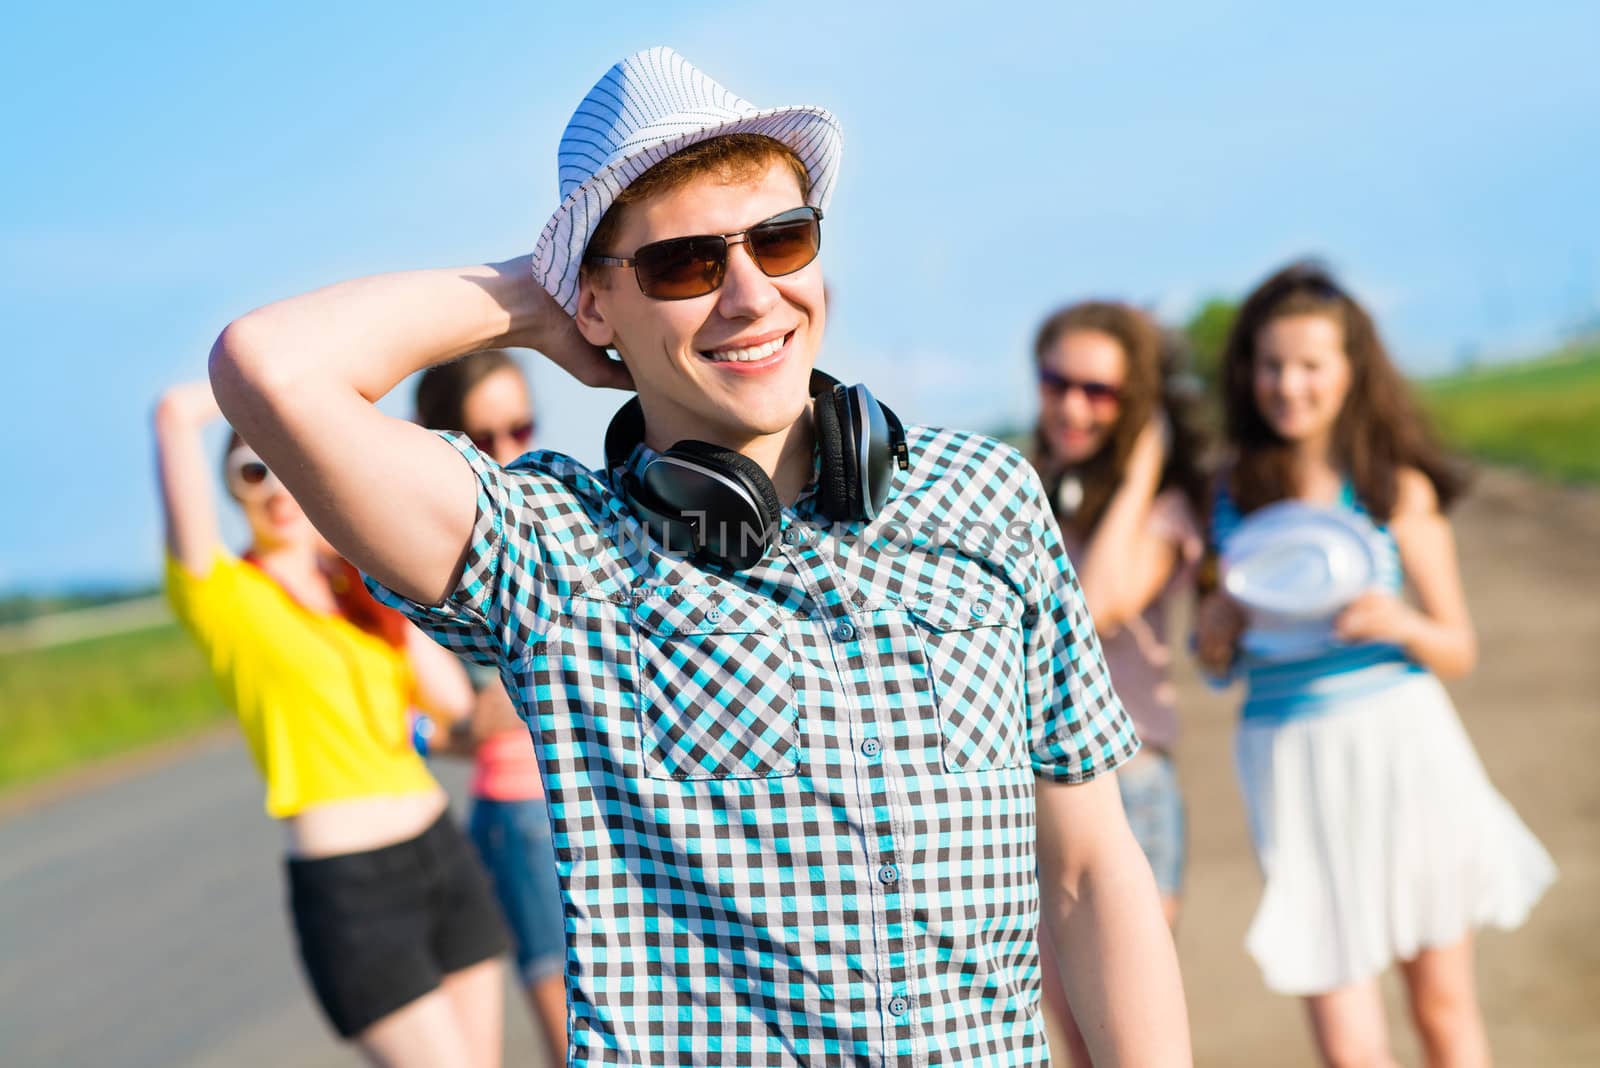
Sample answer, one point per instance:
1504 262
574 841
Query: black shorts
379 929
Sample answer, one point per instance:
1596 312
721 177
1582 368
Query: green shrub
1543 416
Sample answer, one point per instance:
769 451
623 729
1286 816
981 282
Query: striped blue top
1278 690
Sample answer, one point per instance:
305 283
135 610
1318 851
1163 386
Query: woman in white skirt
1379 836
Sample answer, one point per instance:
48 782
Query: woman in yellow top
397 928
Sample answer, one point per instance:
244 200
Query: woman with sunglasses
1119 449
1379 836
397 929
485 396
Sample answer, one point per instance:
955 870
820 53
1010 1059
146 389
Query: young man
795 785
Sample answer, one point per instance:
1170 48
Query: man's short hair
732 157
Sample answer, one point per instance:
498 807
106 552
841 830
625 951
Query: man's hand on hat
539 323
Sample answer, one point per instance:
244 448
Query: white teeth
756 352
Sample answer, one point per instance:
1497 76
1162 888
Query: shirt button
898 1006
888 875
844 631
979 611
795 535
713 615
871 747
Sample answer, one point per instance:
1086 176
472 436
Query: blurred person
485 396
396 925
1379 835
809 779
1120 448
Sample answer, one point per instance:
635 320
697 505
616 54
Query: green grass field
1542 416
66 705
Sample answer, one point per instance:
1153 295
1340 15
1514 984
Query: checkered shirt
793 807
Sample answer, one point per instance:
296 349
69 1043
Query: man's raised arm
299 380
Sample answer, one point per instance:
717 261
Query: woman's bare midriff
355 826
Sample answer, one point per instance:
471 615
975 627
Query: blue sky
170 168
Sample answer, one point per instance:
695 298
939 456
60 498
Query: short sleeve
1078 727
502 601
206 605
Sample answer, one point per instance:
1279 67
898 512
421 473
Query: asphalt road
142 923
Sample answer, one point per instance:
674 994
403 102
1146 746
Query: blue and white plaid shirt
793 807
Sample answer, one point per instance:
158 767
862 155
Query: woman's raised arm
188 505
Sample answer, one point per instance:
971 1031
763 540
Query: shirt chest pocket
716 686
972 639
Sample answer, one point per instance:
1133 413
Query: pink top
1139 655
506 768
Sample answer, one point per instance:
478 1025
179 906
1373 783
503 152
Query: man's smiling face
731 366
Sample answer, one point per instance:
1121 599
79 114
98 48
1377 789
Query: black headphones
703 500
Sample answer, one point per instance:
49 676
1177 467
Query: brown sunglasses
1097 393
683 267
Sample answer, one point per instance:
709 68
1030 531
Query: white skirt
1379 835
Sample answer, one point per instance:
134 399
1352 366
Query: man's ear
592 323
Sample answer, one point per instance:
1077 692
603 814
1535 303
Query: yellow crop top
321 702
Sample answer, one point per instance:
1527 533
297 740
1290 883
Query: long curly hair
1157 379
1380 428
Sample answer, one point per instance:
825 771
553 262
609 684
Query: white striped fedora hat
644 109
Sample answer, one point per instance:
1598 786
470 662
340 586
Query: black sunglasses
1058 385
683 267
519 433
248 477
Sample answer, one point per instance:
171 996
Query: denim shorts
513 837
1154 804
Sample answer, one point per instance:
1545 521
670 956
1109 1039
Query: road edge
84 778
